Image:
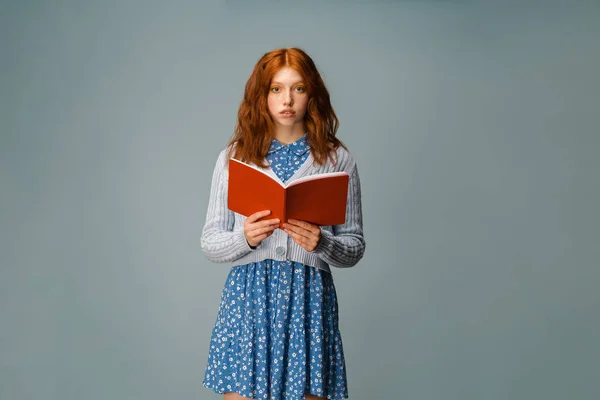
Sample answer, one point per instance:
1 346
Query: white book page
315 177
259 170
297 181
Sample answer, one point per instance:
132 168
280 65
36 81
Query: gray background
475 126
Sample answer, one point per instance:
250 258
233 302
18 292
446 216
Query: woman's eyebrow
279 83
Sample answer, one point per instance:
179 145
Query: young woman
276 335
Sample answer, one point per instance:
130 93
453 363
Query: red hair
255 128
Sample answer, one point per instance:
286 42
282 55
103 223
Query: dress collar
299 147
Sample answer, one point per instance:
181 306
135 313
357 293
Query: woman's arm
220 242
346 245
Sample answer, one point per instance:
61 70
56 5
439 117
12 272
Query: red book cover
319 199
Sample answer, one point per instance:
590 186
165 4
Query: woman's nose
288 98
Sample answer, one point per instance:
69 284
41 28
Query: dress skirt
276 334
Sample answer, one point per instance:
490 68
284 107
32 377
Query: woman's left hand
304 233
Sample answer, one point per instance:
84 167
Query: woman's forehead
286 75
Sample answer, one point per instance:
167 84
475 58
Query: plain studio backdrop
475 128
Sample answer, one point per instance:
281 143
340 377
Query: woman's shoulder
225 154
221 166
343 152
344 160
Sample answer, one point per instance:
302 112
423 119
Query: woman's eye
300 89
275 89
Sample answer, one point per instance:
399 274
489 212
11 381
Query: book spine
284 217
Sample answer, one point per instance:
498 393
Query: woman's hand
256 232
304 233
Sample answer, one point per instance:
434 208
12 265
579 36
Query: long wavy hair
255 127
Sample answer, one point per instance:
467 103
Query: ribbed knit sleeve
220 242
346 245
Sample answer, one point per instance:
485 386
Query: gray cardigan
341 246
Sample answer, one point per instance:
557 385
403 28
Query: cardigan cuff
325 244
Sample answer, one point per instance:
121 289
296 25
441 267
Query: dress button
280 251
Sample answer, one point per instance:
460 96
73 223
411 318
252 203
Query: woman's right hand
256 232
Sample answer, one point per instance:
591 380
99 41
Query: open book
319 199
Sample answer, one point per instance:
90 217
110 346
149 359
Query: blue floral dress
276 334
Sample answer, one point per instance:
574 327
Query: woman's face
287 98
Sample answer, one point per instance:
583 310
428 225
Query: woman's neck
289 134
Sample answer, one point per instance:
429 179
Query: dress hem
218 391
